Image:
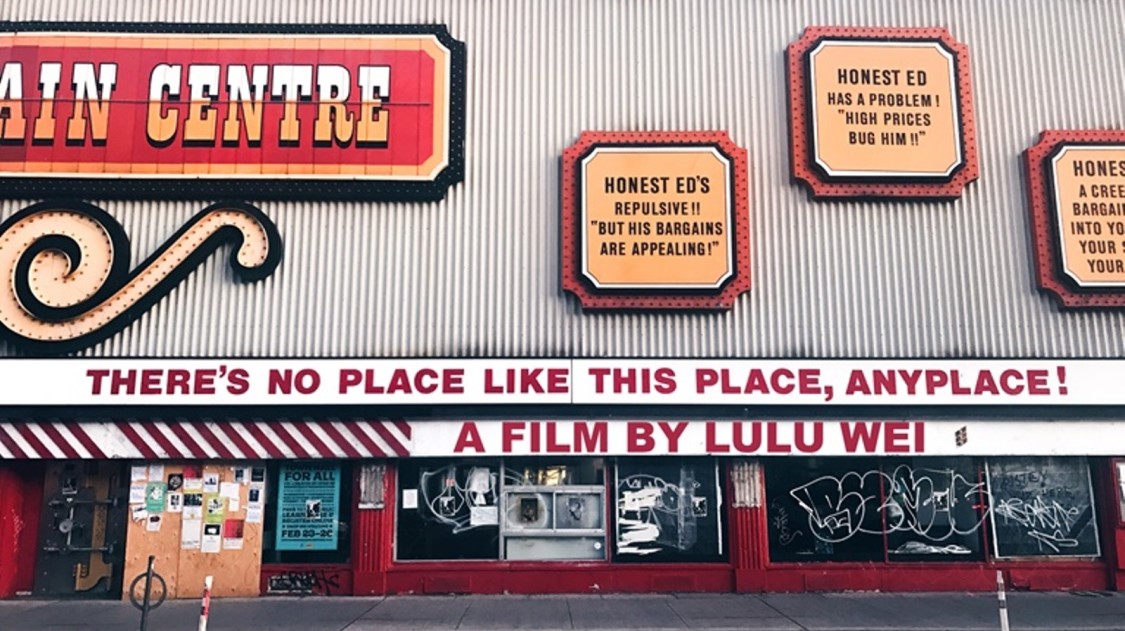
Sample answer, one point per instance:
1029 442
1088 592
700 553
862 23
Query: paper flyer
212 538
232 534
210 482
215 508
191 534
154 497
193 477
193 506
229 490
174 502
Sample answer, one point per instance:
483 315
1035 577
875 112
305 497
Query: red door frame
21 505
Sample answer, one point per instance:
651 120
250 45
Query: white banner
559 381
768 438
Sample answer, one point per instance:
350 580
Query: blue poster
308 503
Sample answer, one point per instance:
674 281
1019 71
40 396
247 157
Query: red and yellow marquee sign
352 113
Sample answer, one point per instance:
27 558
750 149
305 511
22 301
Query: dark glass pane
824 509
1042 507
448 510
668 510
562 471
935 508
340 554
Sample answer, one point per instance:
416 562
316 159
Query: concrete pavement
1088 611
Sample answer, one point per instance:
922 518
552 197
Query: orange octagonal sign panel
655 220
1076 182
881 113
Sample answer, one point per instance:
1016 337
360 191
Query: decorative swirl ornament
65 265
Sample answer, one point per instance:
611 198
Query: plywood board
235 572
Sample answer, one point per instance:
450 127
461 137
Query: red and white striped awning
257 439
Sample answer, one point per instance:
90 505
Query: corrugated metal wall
477 275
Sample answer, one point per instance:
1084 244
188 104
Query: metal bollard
206 604
145 604
144 601
1003 600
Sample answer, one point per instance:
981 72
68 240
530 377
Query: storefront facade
585 297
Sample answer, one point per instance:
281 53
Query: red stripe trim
318 445
403 427
11 444
194 450
52 432
392 442
213 441
84 438
341 441
372 447
158 435
232 433
31 439
263 440
288 439
138 442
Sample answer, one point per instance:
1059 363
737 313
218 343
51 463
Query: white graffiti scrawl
653 514
921 502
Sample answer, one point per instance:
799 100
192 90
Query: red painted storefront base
548 578
934 577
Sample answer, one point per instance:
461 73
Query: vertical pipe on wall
373 540
748 543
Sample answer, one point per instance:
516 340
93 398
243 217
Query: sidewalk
828 612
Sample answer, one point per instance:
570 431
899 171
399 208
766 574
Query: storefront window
934 509
929 509
1042 507
308 513
553 511
668 510
825 509
515 509
838 509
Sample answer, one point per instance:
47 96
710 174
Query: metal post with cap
206 609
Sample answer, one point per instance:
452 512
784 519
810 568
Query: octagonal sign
1076 189
655 220
881 113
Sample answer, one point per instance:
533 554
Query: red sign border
648 299
1048 256
287 188
800 123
